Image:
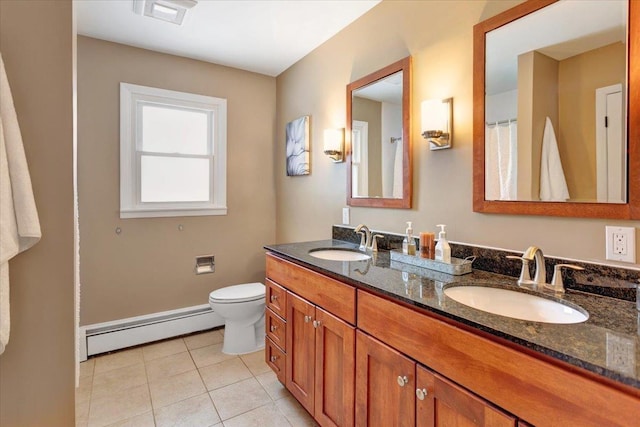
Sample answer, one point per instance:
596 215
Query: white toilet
242 308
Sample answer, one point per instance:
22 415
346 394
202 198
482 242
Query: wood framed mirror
504 194
378 138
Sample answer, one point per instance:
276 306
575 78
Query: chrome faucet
539 281
368 241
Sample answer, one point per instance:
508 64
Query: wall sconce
437 116
334 144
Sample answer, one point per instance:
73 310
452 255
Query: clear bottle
409 243
443 250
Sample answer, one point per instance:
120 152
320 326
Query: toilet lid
238 293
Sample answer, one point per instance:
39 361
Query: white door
611 148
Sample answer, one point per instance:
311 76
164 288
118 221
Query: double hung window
172 153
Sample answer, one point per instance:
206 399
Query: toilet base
242 338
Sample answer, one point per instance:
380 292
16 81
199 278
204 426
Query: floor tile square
205 356
295 413
163 348
86 368
204 339
239 398
195 411
224 373
173 389
264 416
169 365
117 360
109 409
118 380
144 420
255 362
272 386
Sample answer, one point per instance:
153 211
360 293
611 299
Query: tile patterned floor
186 382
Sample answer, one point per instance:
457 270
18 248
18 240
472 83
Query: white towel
553 186
19 224
501 175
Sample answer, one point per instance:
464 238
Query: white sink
339 254
517 305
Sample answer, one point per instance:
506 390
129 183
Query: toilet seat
238 293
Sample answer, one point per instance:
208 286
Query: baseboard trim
115 335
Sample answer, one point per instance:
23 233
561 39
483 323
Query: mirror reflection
376 139
555 105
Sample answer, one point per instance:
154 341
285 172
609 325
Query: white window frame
132 97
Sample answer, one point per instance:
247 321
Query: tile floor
186 382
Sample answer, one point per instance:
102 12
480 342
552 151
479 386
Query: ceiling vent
172 11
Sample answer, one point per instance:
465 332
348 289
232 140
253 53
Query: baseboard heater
109 336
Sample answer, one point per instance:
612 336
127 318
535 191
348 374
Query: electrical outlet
621 244
345 216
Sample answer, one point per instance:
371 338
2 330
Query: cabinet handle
273 359
307 319
273 328
402 380
273 298
421 393
316 324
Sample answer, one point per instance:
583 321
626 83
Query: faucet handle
556 283
374 242
525 277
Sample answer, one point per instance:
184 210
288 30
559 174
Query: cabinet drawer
276 298
276 328
503 375
332 295
276 359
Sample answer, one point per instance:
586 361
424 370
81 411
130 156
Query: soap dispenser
443 250
409 243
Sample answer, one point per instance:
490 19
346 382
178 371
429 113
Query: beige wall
37 368
149 267
442 66
579 77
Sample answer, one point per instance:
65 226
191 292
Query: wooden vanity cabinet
393 390
320 341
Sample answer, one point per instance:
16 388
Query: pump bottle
443 250
409 243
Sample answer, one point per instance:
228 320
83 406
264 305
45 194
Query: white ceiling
264 36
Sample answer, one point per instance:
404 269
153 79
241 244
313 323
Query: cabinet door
447 404
300 350
335 370
385 385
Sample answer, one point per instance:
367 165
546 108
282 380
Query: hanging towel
397 170
553 186
19 224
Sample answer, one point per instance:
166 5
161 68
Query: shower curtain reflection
501 160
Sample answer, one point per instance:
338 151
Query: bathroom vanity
375 342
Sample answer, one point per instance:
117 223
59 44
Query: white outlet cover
630 235
345 216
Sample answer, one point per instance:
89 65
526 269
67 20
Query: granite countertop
607 344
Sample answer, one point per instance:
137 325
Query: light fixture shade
437 115
334 144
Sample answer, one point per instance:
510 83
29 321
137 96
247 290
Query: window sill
160 213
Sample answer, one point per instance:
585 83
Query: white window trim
130 204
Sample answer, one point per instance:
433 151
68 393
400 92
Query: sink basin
339 254
514 304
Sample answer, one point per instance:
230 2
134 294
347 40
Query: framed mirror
556 124
378 138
